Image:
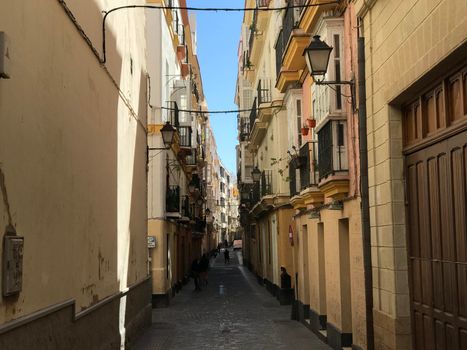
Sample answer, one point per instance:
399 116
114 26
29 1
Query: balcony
199 226
191 159
186 212
266 183
185 136
258 128
289 47
173 114
333 161
264 91
253 115
258 24
172 199
244 129
304 187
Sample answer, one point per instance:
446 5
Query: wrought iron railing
308 174
244 129
330 154
280 47
190 159
199 225
262 3
173 114
292 180
256 193
289 23
172 199
185 136
266 183
264 91
253 115
186 208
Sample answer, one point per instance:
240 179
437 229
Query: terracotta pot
311 122
305 131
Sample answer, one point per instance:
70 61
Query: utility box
12 269
4 56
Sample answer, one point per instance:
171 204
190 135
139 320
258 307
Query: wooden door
437 240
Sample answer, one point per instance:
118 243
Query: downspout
365 205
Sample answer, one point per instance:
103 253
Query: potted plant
305 130
311 122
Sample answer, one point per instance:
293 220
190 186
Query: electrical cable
205 9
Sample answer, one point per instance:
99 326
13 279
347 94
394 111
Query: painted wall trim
21 321
35 316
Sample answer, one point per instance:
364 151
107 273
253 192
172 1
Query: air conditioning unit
4 57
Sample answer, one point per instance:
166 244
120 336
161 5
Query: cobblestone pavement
233 312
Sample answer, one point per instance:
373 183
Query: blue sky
218 36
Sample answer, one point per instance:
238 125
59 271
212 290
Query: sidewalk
232 312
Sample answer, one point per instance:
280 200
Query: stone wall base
97 328
391 333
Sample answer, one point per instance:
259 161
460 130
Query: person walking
226 256
203 270
195 274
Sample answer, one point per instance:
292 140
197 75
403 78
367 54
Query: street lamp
317 59
256 174
168 133
317 56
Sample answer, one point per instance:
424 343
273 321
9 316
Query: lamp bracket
351 83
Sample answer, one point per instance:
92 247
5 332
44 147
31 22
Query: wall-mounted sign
152 242
291 234
12 264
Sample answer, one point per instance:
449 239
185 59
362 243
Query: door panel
436 180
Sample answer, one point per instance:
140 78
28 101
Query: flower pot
305 131
311 123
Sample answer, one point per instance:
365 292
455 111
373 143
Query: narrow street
232 312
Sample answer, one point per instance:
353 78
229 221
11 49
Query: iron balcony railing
280 47
253 115
264 91
266 183
172 199
305 165
173 114
199 225
289 23
186 208
256 193
252 31
244 129
330 149
308 175
185 136
293 180
190 159
262 3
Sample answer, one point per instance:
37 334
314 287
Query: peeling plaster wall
72 152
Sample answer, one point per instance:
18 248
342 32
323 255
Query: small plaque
12 264
151 242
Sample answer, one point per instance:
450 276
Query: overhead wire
204 9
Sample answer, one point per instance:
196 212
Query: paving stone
232 313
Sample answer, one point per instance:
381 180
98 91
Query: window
337 69
299 121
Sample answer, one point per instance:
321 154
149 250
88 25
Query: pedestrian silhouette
226 256
195 273
285 279
203 270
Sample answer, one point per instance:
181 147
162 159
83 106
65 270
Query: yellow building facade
415 63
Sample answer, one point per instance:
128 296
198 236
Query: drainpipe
365 206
